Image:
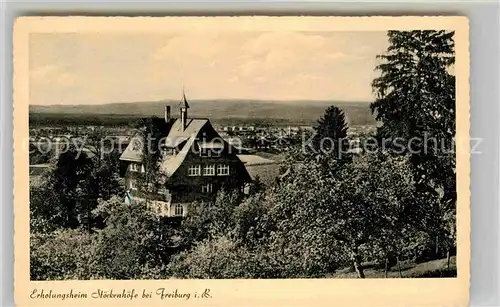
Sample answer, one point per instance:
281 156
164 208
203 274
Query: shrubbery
62 254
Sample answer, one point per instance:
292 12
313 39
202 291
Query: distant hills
358 113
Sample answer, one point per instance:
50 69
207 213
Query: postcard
241 161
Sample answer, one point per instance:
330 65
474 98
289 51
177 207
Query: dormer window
194 170
209 170
222 170
134 167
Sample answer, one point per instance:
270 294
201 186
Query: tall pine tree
415 101
331 133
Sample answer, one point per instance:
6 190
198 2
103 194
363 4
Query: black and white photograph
242 154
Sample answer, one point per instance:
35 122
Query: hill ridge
222 100
309 110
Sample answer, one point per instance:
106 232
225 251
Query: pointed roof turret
183 103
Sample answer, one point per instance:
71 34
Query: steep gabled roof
131 153
172 163
175 137
193 127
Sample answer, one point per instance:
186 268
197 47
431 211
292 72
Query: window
134 167
178 210
222 170
194 170
207 188
209 170
132 184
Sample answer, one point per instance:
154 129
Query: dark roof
184 103
193 127
175 136
172 163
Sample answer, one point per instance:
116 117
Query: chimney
183 118
167 114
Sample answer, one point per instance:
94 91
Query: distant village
252 138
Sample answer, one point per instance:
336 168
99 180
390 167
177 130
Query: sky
98 68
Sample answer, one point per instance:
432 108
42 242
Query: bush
133 243
220 257
62 254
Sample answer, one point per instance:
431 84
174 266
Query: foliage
220 257
40 153
364 210
151 132
209 219
331 133
138 240
104 182
61 199
72 186
351 207
416 101
61 254
135 244
297 231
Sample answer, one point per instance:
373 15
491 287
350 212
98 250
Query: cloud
208 62
41 73
101 68
204 46
52 75
296 63
66 79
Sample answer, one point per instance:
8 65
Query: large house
196 162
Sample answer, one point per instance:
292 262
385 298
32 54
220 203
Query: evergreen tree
331 133
416 103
